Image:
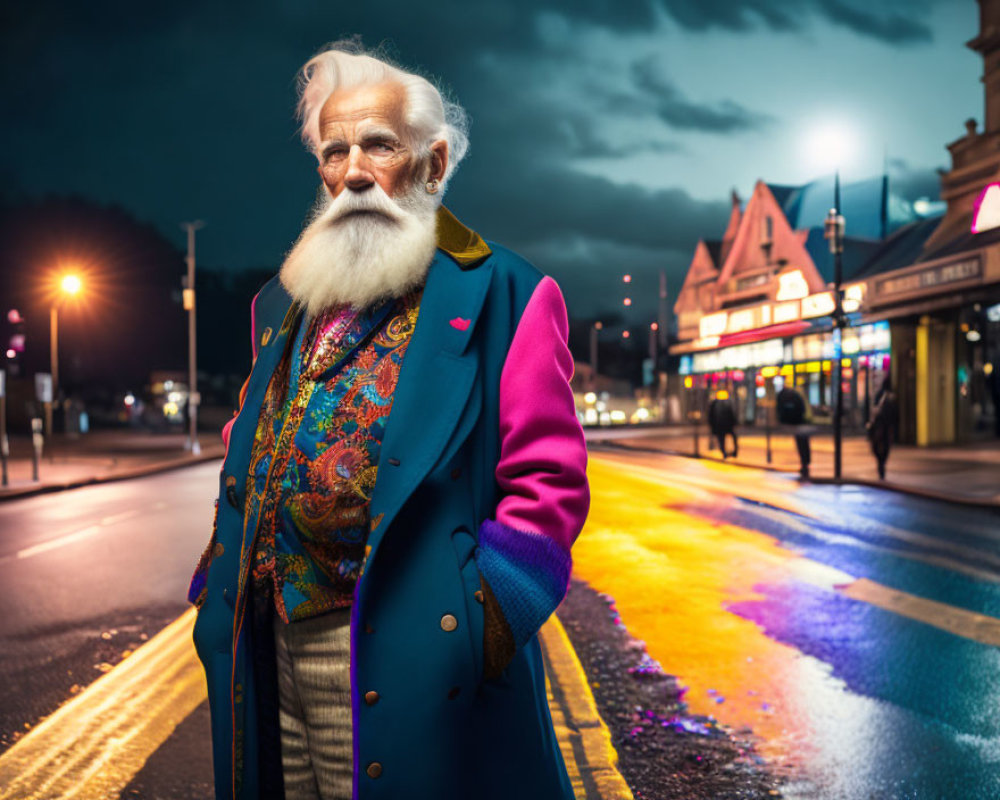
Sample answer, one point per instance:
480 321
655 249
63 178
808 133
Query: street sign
43 387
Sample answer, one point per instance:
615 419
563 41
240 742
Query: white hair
345 63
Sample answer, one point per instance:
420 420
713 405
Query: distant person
882 426
722 421
793 409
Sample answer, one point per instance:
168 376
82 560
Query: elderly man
403 483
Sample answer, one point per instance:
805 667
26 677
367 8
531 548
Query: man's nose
359 174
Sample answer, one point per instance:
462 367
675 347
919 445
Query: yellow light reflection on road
672 574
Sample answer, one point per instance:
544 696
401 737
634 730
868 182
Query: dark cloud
890 25
890 21
677 111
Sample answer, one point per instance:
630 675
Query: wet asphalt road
91 574
860 699
737 580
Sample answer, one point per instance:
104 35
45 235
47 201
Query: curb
124 475
926 494
584 739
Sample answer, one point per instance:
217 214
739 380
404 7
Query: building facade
921 295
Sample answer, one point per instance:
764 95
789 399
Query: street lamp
69 286
834 231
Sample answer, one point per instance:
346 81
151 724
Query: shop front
753 372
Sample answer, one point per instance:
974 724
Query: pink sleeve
524 553
543 456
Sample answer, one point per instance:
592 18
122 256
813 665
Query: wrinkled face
363 140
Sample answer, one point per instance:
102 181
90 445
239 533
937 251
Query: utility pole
834 231
194 398
662 321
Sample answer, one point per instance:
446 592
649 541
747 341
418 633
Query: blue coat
440 728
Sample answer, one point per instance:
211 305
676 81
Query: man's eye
382 147
335 153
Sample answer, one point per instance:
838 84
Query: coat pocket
465 546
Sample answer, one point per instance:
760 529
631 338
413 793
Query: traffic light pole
189 304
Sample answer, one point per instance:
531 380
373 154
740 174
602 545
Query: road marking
578 725
959 621
94 744
52 544
119 517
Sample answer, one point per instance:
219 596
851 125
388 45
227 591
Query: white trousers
314 689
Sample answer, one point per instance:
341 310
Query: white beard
362 248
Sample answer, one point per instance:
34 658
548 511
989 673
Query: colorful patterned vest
315 454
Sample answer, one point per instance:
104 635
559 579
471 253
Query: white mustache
372 200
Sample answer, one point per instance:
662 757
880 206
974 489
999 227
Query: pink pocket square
461 324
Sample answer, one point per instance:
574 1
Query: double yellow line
93 745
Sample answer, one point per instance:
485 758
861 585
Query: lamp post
69 285
834 231
189 305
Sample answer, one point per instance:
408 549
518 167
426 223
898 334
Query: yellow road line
959 621
93 745
577 720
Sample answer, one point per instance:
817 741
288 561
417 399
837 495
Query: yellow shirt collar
461 243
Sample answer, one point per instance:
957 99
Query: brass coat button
265 337
479 595
374 769
371 698
218 550
448 622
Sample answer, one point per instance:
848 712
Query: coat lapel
433 389
279 314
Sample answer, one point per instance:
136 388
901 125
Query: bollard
36 450
767 417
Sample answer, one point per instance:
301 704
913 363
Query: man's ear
439 160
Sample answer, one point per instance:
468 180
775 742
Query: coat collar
435 380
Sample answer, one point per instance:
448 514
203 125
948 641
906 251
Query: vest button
374 769
371 698
479 595
448 622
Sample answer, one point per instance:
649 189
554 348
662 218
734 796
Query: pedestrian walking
722 421
793 410
402 485
882 426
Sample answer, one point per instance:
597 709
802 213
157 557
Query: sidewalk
968 473
100 456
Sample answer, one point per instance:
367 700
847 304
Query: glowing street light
69 285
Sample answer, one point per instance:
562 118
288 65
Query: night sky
606 135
